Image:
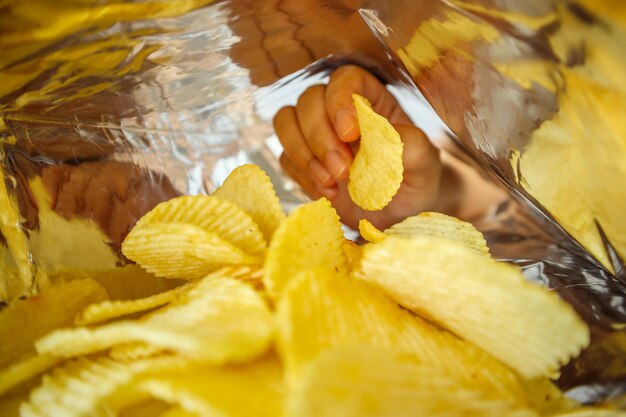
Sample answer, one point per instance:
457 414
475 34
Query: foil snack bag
109 107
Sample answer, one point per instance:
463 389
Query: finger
312 189
421 159
319 133
349 80
288 131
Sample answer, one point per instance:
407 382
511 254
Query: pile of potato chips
282 316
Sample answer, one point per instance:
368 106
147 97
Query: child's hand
320 135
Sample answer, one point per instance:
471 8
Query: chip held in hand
376 172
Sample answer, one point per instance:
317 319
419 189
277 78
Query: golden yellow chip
24 321
237 391
175 411
320 310
310 237
107 310
181 250
376 172
365 381
134 351
221 320
251 189
591 412
369 232
131 281
545 397
221 217
24 370
441 226
353 253
486 302
83 387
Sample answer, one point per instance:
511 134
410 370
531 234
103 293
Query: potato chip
353 253
348 312
150 408
181 250
24 321
311 236
24 370
483 301
237 391
369 232
441 226
221 320
221 217
83 387
107 310
176 411
591 412
251 189
376 172
545 397
134 351
364 381
10 404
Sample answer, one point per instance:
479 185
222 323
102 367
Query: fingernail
328 192
320 174
336 164
344 122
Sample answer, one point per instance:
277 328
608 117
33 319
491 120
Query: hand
320 134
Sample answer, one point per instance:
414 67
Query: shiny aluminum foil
109 107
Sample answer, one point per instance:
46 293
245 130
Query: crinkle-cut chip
134 351
376 172
83 387
366 381
213 214
253 389
251 189
353 253
148 408
348 312
591 412
369 232
181 250
486 302
24 321
545 397
441 226
107 310
310 237
221 320
22 371
175 411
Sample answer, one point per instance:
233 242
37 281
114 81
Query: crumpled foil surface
108 107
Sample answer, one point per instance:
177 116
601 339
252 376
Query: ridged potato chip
545 397
221 320
369 232
134 351
251 189
181 250
107 310
22 371
83 387
310 237
236 391
24 321
215 215
364 381
353 253
591 412
486 302
320 310
376 172
441 226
